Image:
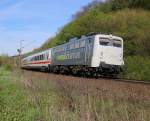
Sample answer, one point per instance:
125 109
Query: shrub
6 62
137 67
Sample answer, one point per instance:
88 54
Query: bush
6 62
137 67
120 4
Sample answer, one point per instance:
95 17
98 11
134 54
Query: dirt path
104 87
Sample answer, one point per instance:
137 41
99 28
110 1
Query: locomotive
90 54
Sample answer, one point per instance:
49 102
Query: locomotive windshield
116 43
109 42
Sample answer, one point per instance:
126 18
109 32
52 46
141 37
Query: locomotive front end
108 53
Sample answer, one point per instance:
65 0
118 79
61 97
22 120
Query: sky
33 21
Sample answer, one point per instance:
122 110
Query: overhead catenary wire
29 44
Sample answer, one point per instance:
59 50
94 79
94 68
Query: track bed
102 87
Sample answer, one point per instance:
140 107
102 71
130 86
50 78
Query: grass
57 101
31 99
14 104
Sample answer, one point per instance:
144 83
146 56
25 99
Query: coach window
47 55
42 57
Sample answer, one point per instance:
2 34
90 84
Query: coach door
88 52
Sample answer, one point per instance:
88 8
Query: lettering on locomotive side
60 58
69 56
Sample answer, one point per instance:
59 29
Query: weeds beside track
119 87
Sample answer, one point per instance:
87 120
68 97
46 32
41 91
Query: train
91 54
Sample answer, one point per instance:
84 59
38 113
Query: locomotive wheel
75 70
56 69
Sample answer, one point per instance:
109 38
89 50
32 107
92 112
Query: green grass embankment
14 104
32 99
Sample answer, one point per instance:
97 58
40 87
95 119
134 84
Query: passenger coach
39 61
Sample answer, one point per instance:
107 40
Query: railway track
133 81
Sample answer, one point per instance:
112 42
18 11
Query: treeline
114 5
6 61
120 4
115 17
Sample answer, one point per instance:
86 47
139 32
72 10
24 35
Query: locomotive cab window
116 43
109 42
105 42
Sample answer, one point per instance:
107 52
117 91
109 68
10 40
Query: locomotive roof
95 34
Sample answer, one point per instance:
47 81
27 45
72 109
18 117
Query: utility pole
20 52
21 49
